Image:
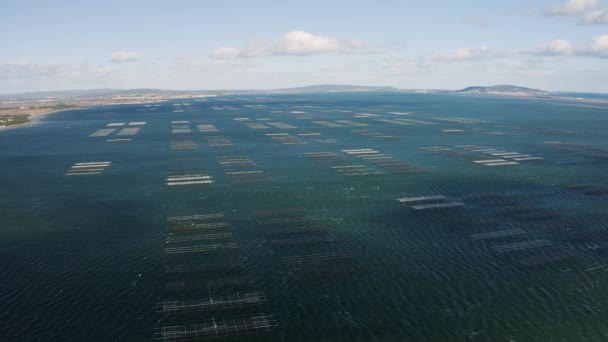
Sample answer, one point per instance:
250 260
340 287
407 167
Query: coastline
38 116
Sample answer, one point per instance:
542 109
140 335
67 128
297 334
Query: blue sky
547 44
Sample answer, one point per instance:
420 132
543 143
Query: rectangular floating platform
137 123
348 167
352 123
528 158
505 154
128 131
88 168
202 249
328 124
198 226
308 219
83 173
309 134
115 124
216 328
219 141
243 172
501 163
360 151
195 217
497 234
204 237
489 161
433 206
102 132
286 139
412 121
522 245
396 122
206 128
189 179
90 164
256 125
211 303
420 199
280 125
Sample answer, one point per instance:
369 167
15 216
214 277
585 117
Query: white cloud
571 7
252 49
303 43
596 47
467 54
123 57
296 43
597 17
557 47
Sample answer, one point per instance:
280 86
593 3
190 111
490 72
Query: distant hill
508 90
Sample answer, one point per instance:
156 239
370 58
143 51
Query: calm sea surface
275 218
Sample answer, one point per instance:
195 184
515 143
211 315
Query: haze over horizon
555 45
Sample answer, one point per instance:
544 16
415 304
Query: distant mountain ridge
505 89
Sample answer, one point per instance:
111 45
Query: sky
558 45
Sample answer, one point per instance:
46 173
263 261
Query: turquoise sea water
85 256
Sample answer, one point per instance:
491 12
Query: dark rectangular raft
211 303
426 203
203 237
512 247
216 328
202 249
197 226
233 282
497 234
